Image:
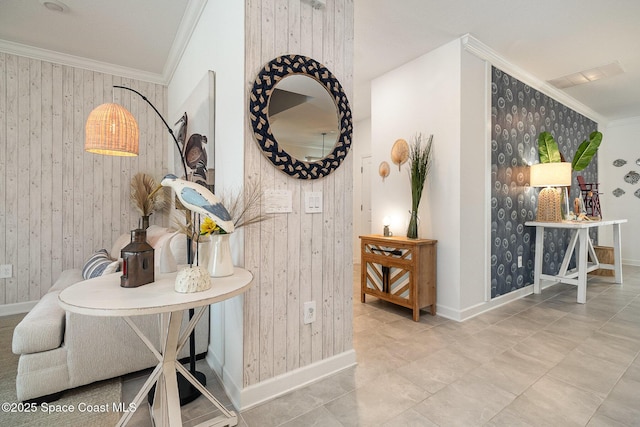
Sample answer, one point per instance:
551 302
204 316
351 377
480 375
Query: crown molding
192 14
78 62
187 26
482 51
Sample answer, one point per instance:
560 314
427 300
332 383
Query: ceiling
546 38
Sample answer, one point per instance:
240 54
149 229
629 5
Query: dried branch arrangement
143 197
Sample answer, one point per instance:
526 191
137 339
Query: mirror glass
303 118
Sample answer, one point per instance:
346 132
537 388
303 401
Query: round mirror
303 118
300 116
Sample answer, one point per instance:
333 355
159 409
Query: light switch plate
313 201
278 201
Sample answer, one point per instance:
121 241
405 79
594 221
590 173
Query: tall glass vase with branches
419 166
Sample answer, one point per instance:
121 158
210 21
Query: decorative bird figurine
200 200
182 131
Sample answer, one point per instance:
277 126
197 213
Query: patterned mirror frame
274 71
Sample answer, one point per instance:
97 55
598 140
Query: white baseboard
248 397
634 262
470 312
213 361
17 308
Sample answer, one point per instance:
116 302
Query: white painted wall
217 44
620 142
423 96
475 181
360 147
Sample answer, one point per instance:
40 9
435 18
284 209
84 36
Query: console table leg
617 253
537 269
582 265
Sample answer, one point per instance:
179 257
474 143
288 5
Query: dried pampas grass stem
144 198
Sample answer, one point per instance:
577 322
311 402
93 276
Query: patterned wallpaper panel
519 114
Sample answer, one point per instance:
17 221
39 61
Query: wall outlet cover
309 312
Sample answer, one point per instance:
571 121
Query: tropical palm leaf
586 151
548 149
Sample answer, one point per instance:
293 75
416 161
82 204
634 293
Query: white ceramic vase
204 251
220 262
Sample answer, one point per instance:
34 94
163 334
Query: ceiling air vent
587 76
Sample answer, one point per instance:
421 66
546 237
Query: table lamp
549 176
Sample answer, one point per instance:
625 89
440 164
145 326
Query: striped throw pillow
98 264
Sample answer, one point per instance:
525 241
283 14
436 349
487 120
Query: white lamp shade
550 174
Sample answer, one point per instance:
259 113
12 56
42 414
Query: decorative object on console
198 199
262 112
193 279
145 198
219 261
137 261
591 198
550 175
384 169
386 221
420 164
400 152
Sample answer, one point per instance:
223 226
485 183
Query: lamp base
549 205
187 392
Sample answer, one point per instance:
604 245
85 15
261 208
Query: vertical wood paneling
57 203
24 171
3 162
281 254
56 173
35 174
297 257
251 312
46 165
11 175
67 167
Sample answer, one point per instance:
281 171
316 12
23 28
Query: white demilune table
103 296
581 243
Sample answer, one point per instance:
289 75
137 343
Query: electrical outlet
519 261
6 271
309 312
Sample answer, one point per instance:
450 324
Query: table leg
537 269
617 253
582 264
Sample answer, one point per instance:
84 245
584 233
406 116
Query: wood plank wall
298 257
57 203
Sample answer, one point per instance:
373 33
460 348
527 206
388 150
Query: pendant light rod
184 165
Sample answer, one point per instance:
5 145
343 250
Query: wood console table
399 270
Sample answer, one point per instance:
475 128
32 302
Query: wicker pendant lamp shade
111 130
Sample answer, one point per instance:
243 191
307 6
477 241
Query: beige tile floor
543 360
